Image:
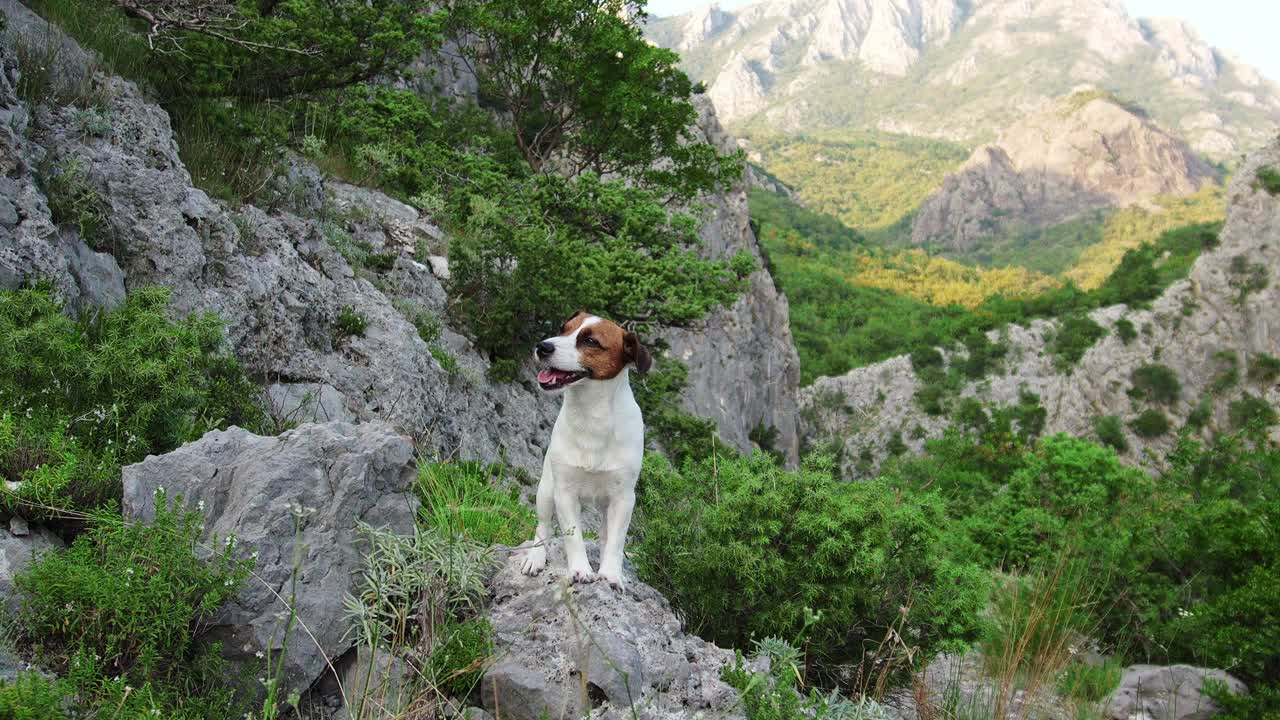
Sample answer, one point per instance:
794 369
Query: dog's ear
572 317
637 353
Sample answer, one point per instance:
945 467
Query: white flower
129 570
618 54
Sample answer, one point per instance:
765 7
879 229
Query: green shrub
457 664
32 696
1155 383
925 358
125 601
1250 409
1075 335
1152 423
1110 430
350 323
1125 331
1264 368
972 415
467 499
775 695
1269 179
1246 277
721 536
1230 375
74 202
982 357
107 389
1086 682
1200 416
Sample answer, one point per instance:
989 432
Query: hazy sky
1248 27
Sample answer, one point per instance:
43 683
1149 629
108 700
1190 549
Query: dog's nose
544 348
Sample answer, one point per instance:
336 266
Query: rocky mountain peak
841 64
1086 151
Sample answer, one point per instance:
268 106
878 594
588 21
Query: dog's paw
535 558
583 575
614 579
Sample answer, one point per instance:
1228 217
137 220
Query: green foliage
720 536
74 201
776 695
1155 383
603 100
125 601
1125 331
1250 409
1151 423
1269 179
1088 682
89 395
852 305
469 499
1110 430
1264 368
1072 339
457 664
869 181
32 696
350 323
1246 277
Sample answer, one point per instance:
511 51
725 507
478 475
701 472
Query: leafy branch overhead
586 92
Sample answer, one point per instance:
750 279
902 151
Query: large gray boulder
17 551
1174 692
293 502
567 650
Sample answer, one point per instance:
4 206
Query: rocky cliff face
803 64
1219 320
1080 153
276 279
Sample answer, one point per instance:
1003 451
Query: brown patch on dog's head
604 348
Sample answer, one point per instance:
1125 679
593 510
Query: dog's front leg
535 555
617 519
575 550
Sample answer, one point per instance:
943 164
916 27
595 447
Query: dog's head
588 348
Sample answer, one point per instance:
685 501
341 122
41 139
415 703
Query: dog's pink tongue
547 375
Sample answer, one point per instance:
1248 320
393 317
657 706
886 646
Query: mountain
1086 152
1201 357
961 70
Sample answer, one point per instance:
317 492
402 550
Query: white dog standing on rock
597 445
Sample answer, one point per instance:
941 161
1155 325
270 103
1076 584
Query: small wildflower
259 655
618 54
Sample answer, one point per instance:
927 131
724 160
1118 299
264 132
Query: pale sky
1250 28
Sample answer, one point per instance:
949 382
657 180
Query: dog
597 444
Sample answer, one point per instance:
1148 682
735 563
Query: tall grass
465 499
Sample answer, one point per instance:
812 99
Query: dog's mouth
555 378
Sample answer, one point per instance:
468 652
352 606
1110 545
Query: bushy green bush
124 602
1155 383
1074 336
1110 430
1269 179
1264 368
32 696
1125 331
88 395
1151 423
720 537
350 323
74 202
1249 409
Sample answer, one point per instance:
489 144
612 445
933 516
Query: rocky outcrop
563 650
20 545
1218 320
1174 692
744 371
972 67
279 279
294 501
1082 153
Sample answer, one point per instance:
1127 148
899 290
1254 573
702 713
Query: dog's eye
591 341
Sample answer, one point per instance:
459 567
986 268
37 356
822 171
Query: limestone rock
295 501
626 648
1174 692
1187 329
17 551
1079 154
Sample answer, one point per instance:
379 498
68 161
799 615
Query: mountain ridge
794 65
